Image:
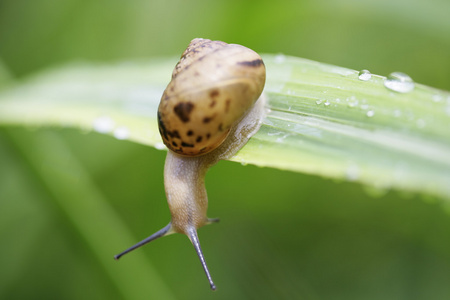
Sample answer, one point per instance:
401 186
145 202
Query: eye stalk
192 234
160 233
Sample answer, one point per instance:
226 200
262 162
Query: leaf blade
323 120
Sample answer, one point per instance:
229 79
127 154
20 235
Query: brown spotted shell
212 87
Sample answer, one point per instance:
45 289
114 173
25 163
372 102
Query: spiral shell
213 85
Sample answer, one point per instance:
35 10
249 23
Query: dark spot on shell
189 133
162 128
227 105
252 63
208 135
202 150
183 111
214 93
199 139
174 134
213 103
174 144
220 127
206 120
183 144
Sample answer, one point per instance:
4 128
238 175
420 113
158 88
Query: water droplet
370 113
121 133
364 106
282 138
327 103
352 172
364 75
338 100
160 146
318 102
397 113
103 124
352 101
399 82
280 58
437 98
274 133
421 123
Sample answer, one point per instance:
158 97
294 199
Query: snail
206 114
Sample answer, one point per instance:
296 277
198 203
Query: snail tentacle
160 233
192 234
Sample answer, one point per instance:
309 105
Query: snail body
206 114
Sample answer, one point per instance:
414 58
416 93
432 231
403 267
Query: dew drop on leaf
280 58
421 123
352 101
364 75
399 82
352 172
103 124
160 146
121 133
397 113
437 98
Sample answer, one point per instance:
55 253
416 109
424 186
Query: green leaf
323 119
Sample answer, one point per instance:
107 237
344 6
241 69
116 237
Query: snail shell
213 85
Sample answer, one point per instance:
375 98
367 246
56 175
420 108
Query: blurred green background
283 235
